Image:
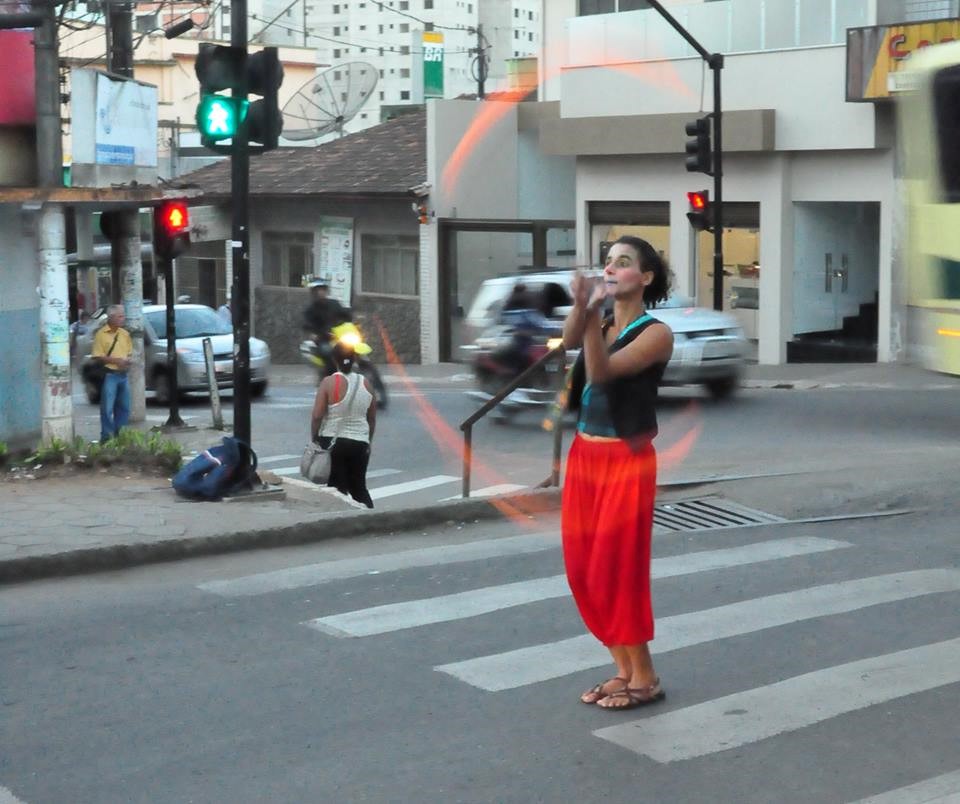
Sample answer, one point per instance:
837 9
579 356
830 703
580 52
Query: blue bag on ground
217 471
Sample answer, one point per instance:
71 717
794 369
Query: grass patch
130 449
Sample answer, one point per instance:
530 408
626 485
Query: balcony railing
726 26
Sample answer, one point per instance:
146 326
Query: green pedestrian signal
219 117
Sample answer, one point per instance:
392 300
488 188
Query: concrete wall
277 312
805 86
19 330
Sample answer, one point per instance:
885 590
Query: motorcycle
313 352
502 353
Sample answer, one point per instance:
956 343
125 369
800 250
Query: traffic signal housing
171 229
220 116
264 75
701 212
699 150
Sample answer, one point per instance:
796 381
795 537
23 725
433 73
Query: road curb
337 525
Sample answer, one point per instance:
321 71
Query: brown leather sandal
634 697
597 690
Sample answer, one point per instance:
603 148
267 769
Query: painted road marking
795 703
278 458
313 574
6 797
517 668
938 790
489 491
411 485
415 613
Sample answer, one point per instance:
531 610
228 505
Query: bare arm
319 408
576 320
371 410
653 345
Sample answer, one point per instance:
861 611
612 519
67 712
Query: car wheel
258 389
722 388
92 390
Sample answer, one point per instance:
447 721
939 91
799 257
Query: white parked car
709 347
194 322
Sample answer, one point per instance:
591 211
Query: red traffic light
175 217
698 201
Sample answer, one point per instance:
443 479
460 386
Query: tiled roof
385 159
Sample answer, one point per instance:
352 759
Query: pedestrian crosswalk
677 731
436 487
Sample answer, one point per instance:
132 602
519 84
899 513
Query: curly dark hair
650 260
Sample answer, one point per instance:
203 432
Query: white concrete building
388 35
813 219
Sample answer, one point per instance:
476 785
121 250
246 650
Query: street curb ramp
328 526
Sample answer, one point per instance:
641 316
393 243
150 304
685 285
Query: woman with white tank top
345 415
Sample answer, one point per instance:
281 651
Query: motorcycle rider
522 312
321 316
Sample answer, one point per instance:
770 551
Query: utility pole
240 192
481 64
123 227
56 406
715 63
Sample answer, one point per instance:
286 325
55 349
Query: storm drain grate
708 513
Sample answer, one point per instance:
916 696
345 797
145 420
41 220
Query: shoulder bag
315 463
98 369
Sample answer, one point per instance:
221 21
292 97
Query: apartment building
389 36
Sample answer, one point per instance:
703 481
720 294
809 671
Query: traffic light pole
240 192
173 384
715 62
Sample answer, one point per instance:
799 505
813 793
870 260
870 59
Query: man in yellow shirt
113 348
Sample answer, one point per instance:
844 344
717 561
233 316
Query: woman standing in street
345 415
608 492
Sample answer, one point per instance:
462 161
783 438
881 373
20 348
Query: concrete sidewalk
93 520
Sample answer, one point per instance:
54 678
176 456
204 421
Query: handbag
97 371
316 461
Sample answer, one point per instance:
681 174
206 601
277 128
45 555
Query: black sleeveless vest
632 400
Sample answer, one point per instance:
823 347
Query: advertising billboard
878 57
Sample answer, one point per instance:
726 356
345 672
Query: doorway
836 282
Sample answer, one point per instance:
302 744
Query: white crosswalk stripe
938 790
411 485
672 735
313 574
414 613
529 665
747 717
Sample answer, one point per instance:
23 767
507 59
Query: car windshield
192 322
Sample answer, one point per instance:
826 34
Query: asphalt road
416 455
814 663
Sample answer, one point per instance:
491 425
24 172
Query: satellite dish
328 101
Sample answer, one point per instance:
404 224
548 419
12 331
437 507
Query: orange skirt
607 524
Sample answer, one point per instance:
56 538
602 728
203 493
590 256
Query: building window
404 72
516 13
404 27
390 264
336 75
404 94
336 30
405 50
287 258
336 9
516 34
380 51
404 5
530 36
381 92
469 8
336 53
380 28
587 7
428 4
530 15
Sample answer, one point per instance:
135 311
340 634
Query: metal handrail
467 425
